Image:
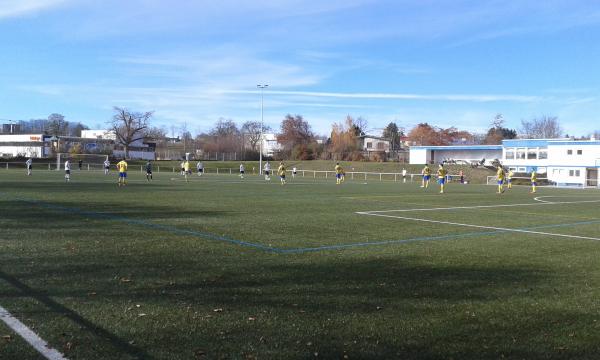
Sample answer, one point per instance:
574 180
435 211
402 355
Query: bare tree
544 127
129 127
57 125
252 130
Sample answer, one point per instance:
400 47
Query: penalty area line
503 229
29 336
538 202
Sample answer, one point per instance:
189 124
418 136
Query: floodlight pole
262 112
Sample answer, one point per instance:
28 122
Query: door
592 177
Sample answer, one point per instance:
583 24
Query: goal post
518 180
88 161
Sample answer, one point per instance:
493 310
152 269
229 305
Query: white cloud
398 96
13 8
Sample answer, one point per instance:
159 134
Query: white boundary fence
315 174
526 181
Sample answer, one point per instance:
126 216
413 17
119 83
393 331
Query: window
531 154
569 152
579 152
369 145
543 154
521 169
575 173
380 146
521 153
510 154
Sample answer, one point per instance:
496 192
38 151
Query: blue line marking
274 250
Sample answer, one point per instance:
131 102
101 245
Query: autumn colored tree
497 132
425 134
344 139
295 133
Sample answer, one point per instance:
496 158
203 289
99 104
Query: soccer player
67 170
294 171
186 170
122 166
182 172
462 176
403 175
80 164
509 177
29 164
500 177
442 177
148 171
426 172
242 171
281 172
106 166
338 173
200 168
533 181
267 171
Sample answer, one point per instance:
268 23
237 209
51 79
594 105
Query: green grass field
246 269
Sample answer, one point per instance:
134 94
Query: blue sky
449 63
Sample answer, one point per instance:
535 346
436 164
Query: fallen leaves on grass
7 338
218 310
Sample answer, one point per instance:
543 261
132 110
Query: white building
459 153
98 134
27 145
270 144
374 143
564 161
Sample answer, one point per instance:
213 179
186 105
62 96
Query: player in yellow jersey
281 172
122 167
442 177
509 177
426 172
186 170
338 174
533 181
500 176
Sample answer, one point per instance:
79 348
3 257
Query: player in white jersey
106 166
67 170
29 164
242 170
267 171
403 175
294 172
200 168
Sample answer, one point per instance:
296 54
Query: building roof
459 147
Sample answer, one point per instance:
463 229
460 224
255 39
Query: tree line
295 137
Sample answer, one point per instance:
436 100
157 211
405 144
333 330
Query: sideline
28 335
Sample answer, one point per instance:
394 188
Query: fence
311 174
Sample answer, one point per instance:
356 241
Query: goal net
81 161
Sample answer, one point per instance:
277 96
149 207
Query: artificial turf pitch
240 269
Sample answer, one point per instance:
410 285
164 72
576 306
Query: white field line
32 338
539 202
483 227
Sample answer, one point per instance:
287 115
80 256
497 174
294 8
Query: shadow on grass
394 294
121 345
